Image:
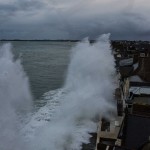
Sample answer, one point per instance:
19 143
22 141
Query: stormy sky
74 19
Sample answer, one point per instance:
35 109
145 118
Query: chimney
144 68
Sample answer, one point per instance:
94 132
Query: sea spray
65 122
88 92
15 98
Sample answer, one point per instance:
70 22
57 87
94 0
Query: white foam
66 120
45 113
15 99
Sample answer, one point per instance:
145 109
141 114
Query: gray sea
44 62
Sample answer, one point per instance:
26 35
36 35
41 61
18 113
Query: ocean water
45 63
69 84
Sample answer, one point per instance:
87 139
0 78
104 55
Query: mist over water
15 98
65 122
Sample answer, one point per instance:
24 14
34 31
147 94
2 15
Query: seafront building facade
130 127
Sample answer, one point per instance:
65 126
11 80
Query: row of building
130 127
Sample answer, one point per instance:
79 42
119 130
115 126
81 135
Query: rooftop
136 131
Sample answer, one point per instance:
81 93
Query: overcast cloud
74 19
